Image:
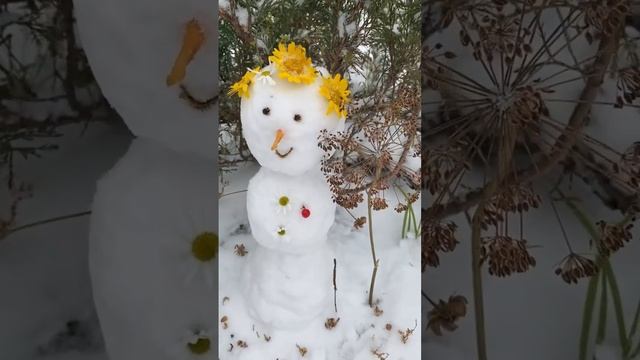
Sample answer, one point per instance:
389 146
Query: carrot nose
191 43
276 141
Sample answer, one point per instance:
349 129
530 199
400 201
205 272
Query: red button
306 212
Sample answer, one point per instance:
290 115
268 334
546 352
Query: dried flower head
359 222
603 18
331 323
302 350
506 255
240 250
612 236
437 237
445 315
574 267
628 86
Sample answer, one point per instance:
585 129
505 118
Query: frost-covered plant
375 45
509 90
45 83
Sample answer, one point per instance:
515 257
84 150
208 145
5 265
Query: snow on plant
45 83
511 89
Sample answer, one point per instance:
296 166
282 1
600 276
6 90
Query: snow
359 331
341 24
45 267
131 46
243 16
284 100
288 291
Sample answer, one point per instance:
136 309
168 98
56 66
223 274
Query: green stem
587 316
605 266
635 352
478 301
602 318
617 306
634 324
416 229
373 251
404 224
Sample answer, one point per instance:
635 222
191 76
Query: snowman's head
152 60
283 116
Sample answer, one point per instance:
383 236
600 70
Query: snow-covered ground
359 332
46 307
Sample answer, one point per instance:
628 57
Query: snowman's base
288 291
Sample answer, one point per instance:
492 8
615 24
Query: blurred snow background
46 308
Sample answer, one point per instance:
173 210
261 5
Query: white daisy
283 205
264 76
194 345
281 234
200 251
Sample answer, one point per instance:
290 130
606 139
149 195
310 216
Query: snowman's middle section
289 277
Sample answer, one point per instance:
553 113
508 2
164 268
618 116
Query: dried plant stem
47 221
335 287
373 251
476 268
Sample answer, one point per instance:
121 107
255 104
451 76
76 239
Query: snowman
284 109
155 63
153 243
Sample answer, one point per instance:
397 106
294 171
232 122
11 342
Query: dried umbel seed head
524 108
574 267
437 237
630 164
604 17
513 199
506 255
378 203
517 198
445 315
628 86
440 166
612 236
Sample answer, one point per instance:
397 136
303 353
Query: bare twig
47 221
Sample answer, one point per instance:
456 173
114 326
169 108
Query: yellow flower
242 86
293 63
336 90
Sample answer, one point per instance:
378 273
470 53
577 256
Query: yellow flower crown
295 66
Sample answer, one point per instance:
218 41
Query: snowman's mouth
282 156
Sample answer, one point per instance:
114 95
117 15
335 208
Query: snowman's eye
297 117
266 111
